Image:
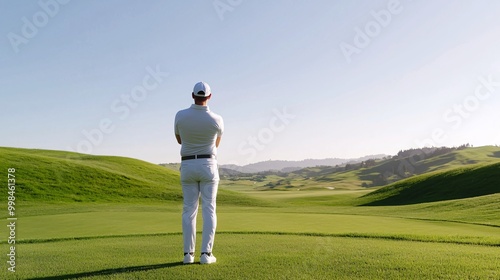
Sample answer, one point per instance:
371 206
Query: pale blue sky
292 79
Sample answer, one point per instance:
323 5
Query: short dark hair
200 99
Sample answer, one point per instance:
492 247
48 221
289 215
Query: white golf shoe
207 258
188 258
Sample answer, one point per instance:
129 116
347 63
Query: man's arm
217 142
178 137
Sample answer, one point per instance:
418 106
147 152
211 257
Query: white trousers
199 177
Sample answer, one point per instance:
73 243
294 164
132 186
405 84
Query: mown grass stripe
400 217
49 240
463 240
472 240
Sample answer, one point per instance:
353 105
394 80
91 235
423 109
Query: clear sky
292 79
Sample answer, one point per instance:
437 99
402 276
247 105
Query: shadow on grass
112 271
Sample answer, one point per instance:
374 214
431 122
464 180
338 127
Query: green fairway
121 219
158 220
102 241
257 256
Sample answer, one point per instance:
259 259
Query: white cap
202 89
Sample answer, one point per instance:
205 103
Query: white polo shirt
198 128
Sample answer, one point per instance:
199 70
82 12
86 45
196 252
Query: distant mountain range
290 166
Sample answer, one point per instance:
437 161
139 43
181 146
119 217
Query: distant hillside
457 183
289 166
374 172
57 176
226 172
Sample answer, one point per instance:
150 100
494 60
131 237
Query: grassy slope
418 165
458 183
64 177
56 176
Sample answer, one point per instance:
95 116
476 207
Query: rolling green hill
57 176
43 175
458 183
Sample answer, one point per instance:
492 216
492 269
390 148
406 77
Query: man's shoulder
183 112
215 116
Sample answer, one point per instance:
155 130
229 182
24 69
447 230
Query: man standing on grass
199 132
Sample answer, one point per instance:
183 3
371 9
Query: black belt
196 156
